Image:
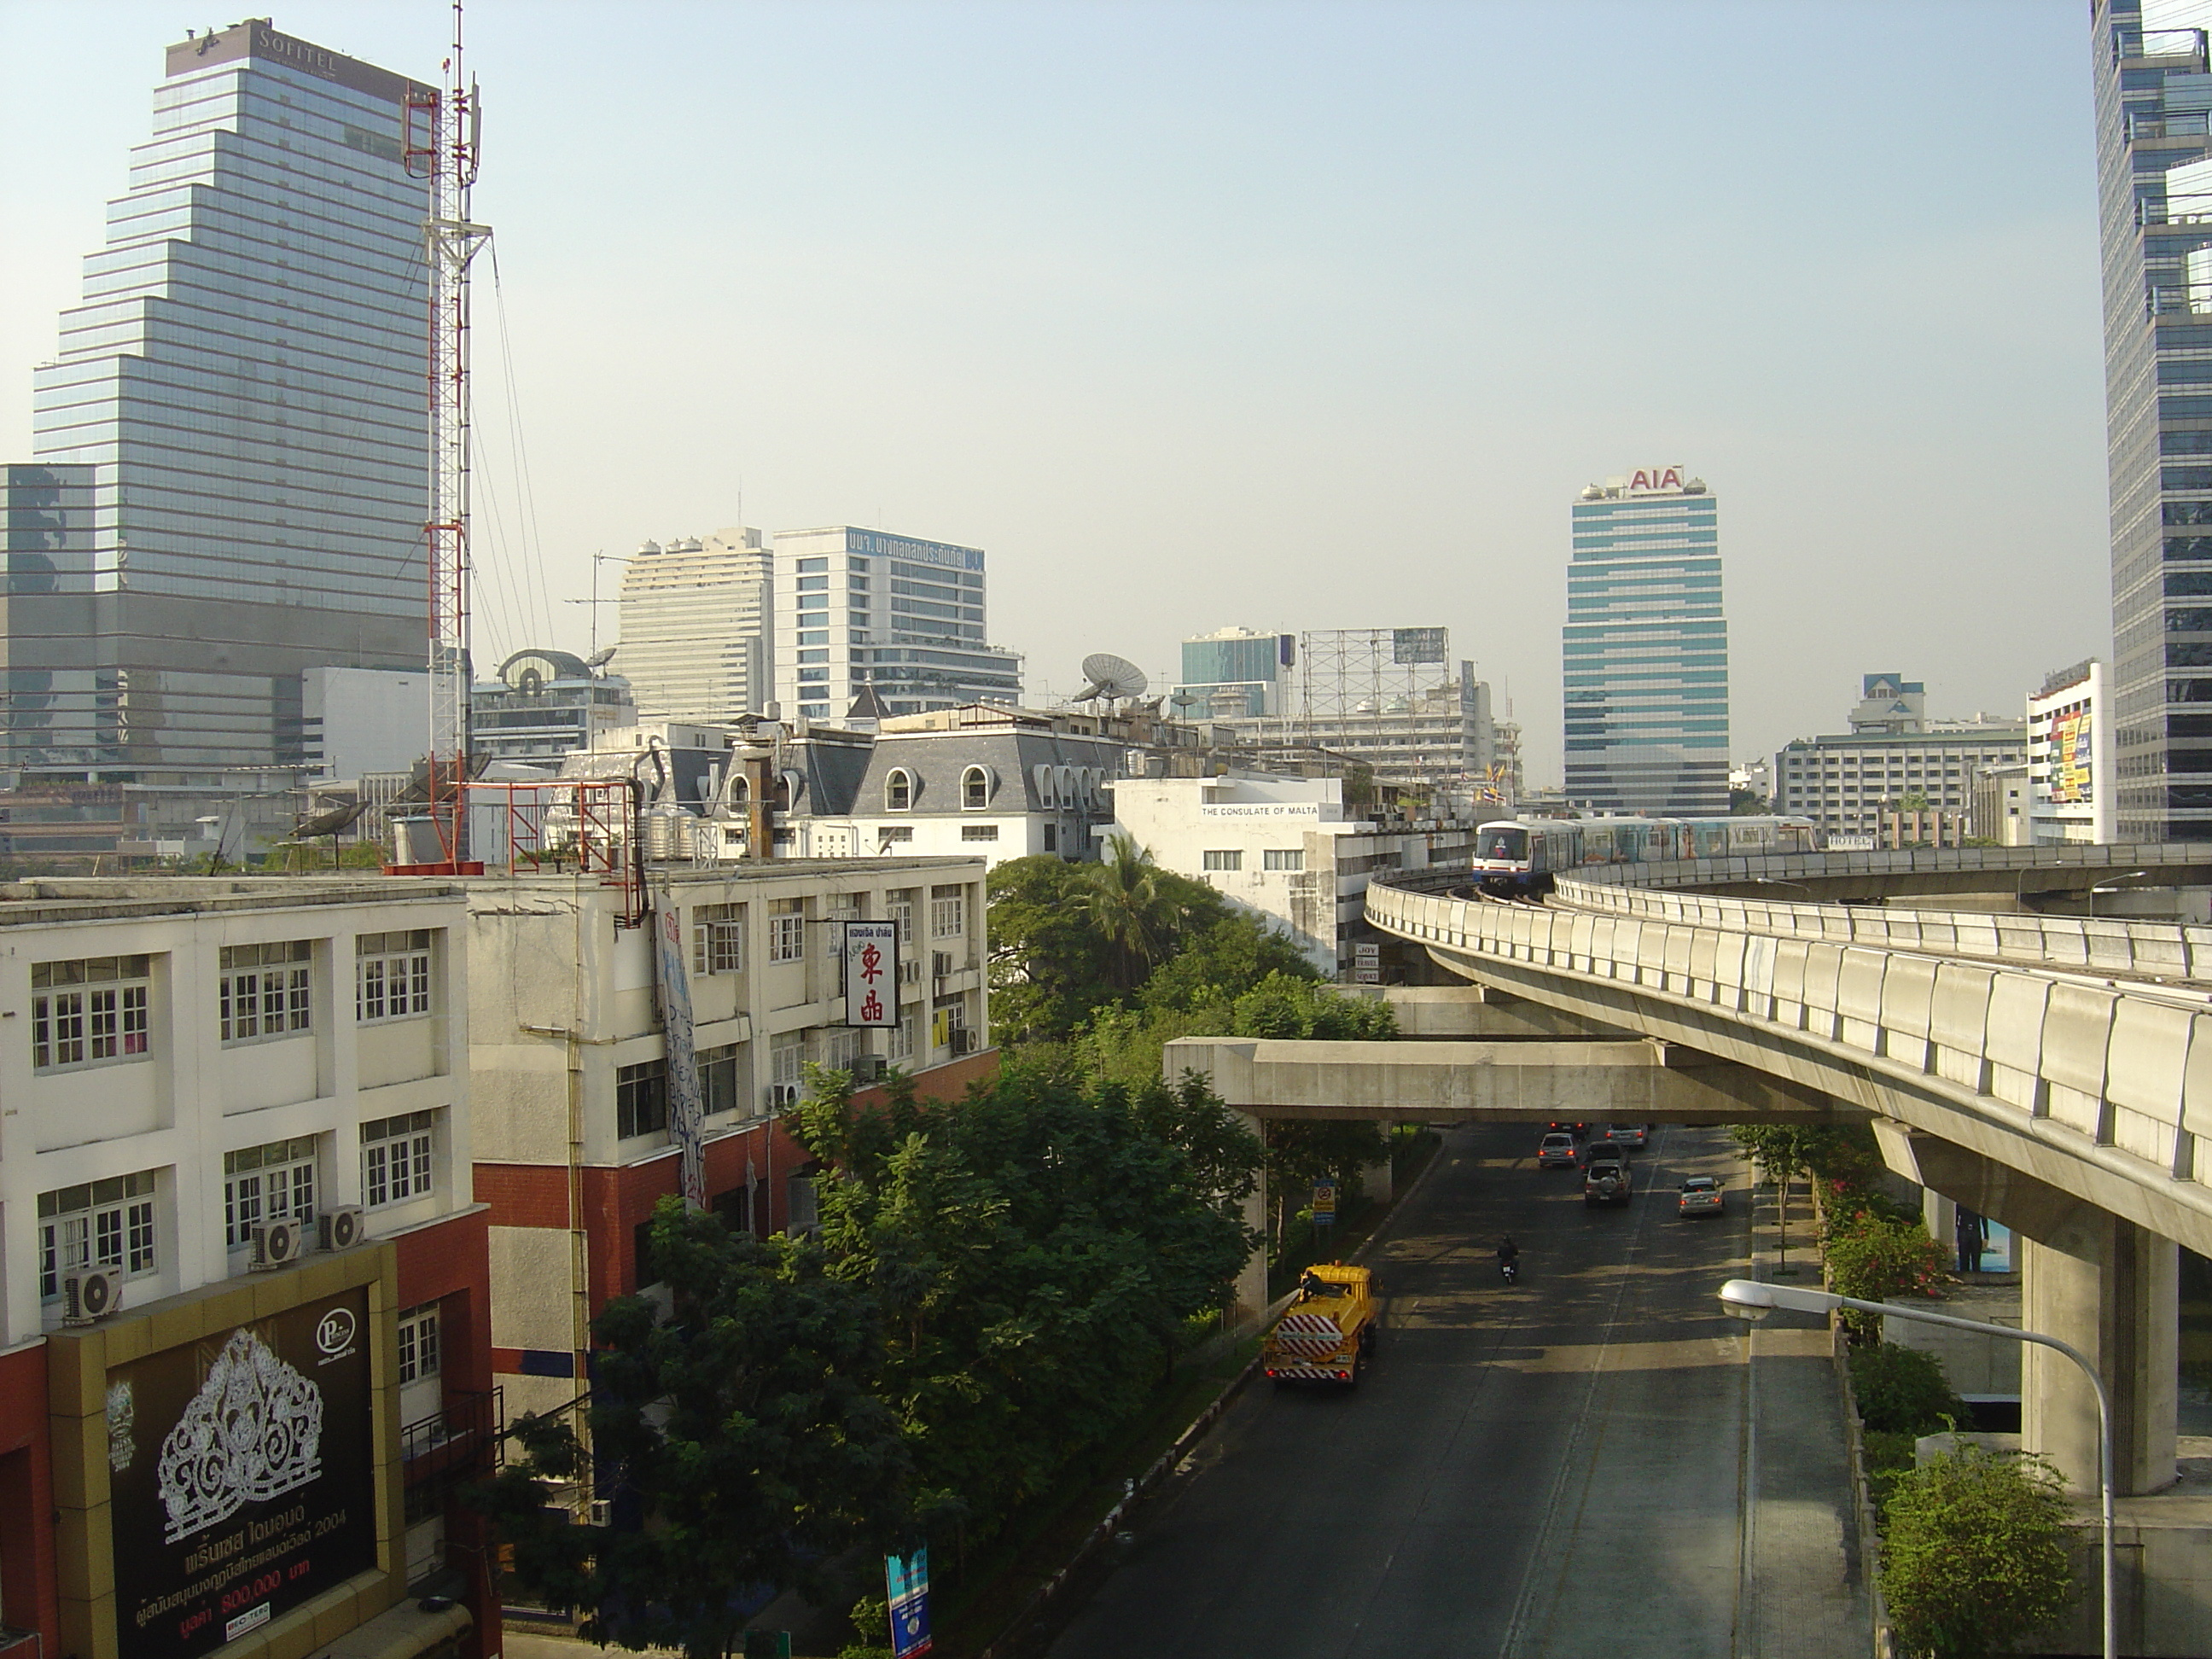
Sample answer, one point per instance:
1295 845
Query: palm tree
1132 909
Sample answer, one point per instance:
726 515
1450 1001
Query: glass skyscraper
898 616
2154 98
1645 649
244 386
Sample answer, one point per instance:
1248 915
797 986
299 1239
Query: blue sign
906 1578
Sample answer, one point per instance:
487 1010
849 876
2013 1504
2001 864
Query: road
1562 1467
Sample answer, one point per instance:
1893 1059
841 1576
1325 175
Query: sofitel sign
240 1479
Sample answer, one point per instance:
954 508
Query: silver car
1556 1151
1701 1195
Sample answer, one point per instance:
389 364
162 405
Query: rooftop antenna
443 143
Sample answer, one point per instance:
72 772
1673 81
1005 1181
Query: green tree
1218 962
1049 966
737 1433
1903 1390
1875 1256
1782 1152
1301 1154
1139 910
1974 1556
1036 1250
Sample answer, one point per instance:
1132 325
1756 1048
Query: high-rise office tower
2155 196
1235 675
244 384
697 622
903 618
1645 650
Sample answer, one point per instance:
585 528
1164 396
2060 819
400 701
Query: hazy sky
1288 316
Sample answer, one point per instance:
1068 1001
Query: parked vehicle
1555 1151
1605 1177
1329 1332
1701 1195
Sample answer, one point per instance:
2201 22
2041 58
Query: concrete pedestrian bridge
2016 1052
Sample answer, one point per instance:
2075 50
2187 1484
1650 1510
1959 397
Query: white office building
2070 758
902 617
697 626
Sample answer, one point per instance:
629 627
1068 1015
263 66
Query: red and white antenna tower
443 132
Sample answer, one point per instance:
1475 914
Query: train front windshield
1505 845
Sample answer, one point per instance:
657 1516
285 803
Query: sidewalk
1804 1593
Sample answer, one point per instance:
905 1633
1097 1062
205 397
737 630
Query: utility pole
595 601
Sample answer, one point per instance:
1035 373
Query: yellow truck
1328 1333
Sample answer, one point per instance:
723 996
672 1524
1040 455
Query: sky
1281 315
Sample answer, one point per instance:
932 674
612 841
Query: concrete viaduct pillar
2109 1287
1251 1292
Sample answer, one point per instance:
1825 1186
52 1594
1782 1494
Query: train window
1505 842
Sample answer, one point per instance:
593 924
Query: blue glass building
2154 101
1645 648
1235 675
244 383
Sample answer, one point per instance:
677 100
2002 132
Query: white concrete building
1287 849
2070 757
697 621
574 1065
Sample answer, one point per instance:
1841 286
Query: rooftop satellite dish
601 658
1113 678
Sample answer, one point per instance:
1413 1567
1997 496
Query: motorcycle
1510 1268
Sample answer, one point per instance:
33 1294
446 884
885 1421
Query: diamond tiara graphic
253 1432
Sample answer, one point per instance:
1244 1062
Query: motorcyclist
1509 1253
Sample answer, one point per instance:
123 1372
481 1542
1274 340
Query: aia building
1645 653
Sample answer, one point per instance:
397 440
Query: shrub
1873 1257
1974 1555
1902 1390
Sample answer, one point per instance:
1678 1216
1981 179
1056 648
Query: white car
1701 1195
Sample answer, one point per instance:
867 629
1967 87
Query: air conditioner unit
910 971
963 1039
782 1095
869 1068
340 1229
940 964
90 1295
275 1245
603 1512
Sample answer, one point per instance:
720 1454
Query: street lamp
1749 1299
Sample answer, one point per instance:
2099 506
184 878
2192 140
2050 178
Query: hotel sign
241 1479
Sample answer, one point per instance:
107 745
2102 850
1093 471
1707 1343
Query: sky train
1522 856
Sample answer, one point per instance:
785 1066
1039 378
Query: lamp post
1747 1298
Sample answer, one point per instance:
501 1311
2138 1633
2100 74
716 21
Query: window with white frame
1283 858
101 1224
718 939
90 1012
640 1099
787 1058
843 1047
718 1079
786 929
979 832
902 1036
898 791
418 1347
974 789
898 907
391 975
1222 858
948 912
273 1181
399 1158
266 990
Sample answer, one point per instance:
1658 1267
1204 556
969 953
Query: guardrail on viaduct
2092 1088
2148 950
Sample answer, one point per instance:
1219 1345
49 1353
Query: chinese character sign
871 974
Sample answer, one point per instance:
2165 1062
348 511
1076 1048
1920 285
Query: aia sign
1645 479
